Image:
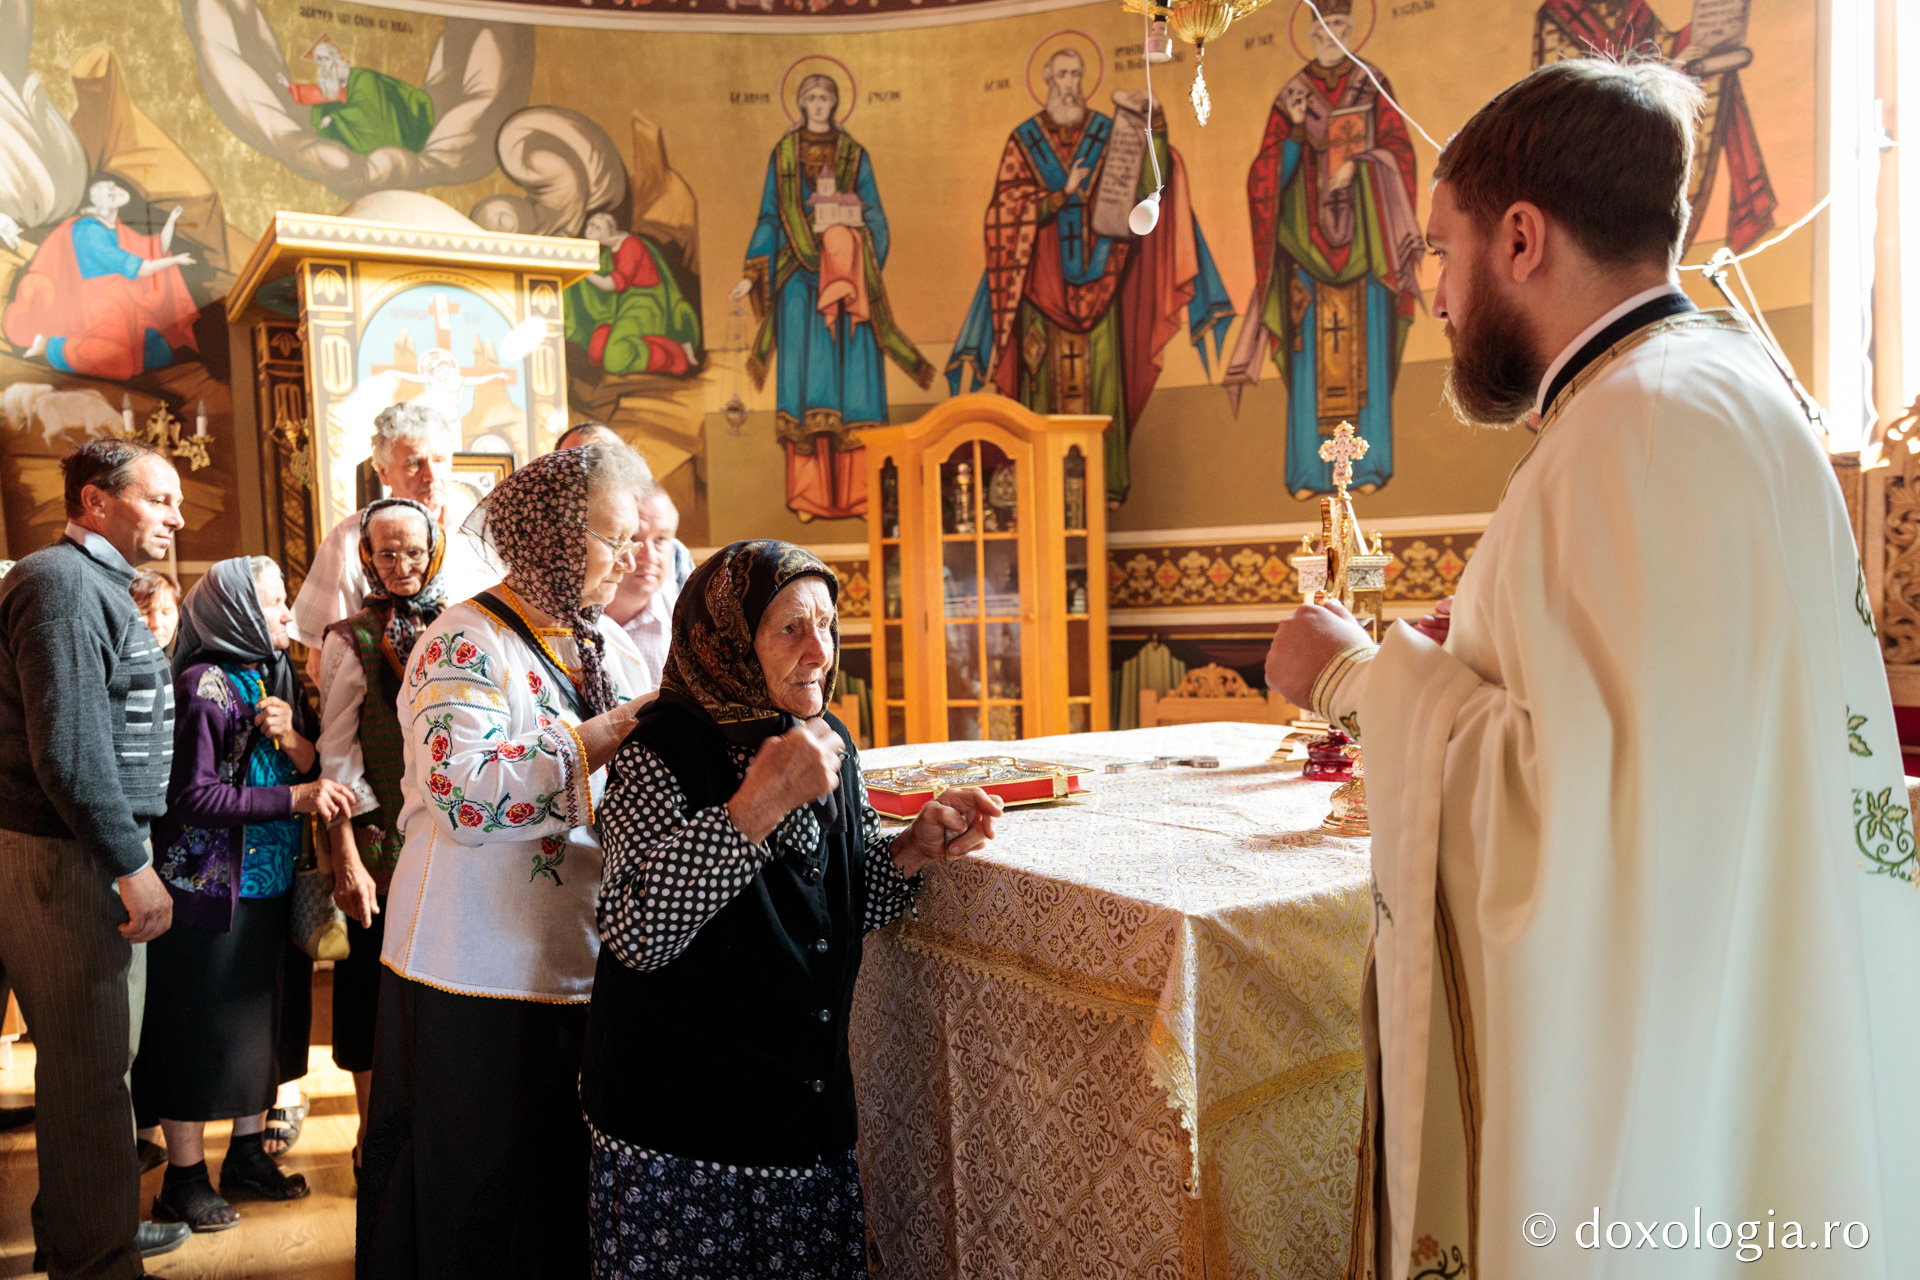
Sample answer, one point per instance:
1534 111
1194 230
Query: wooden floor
311 1239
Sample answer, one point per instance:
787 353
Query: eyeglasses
631 547
388 559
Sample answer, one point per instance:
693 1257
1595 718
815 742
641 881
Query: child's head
157 596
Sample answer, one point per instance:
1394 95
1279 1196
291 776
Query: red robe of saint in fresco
104 319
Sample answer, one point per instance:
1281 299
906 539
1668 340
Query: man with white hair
413 449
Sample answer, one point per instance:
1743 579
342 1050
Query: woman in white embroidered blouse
475 1155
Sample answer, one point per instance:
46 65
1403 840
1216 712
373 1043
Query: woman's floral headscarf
712 664
405 615
535 522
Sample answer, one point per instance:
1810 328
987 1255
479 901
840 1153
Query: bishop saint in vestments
1336 258
1070 321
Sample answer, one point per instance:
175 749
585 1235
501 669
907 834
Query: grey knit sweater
86 706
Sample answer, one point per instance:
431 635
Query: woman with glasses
401 550
511 704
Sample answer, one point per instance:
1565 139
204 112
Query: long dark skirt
475 1162
217 1005
296 1010
660 1215
356 994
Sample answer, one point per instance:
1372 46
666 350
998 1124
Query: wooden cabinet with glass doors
988 538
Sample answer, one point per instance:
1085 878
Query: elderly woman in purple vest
219 992
362 662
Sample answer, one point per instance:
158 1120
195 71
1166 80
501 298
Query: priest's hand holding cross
1304 644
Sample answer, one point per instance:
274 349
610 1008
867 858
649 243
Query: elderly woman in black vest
743 868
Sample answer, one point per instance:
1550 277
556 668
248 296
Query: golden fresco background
694 116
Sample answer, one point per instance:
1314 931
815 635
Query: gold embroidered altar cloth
1162 976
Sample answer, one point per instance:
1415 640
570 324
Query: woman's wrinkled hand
328 798
959 822
354 891
792 769
275 718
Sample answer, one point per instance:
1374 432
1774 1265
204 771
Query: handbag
319 926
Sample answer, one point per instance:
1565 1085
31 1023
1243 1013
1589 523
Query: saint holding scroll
1073 312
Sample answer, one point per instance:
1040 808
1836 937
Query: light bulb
1146 215
1159 43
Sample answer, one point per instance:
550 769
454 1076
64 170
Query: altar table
1161 977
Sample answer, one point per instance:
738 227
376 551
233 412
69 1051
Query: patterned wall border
1213 575
1222 573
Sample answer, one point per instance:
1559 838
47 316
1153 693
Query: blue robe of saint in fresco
827 377
1307 471
1332 266
830 381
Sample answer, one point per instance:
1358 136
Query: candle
126 412
200 421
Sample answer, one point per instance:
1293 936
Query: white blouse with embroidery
495 891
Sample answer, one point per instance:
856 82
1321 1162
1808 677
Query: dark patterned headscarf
535 522
405 615
712 666
221 621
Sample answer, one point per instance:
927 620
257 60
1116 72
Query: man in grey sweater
86 745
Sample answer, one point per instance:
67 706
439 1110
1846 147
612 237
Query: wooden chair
1214 692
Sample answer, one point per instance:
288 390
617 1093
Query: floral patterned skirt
660 1215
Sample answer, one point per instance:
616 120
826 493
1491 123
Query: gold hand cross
1343 451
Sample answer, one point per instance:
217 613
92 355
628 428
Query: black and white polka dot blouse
669 871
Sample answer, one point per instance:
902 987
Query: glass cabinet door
892 608
1078 583
981 622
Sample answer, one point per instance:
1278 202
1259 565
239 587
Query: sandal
192 1200
284 1125
255 1174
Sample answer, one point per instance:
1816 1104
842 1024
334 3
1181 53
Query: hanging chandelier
1198 23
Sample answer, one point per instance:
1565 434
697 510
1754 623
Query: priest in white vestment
1646 936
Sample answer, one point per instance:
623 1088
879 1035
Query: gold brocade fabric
1162 976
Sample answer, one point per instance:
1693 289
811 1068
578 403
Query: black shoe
154 1239
152 1155
15 1118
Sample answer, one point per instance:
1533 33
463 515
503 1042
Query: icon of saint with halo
814 274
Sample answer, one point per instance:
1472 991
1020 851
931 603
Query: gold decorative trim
1685 320
1292 1080
293 236
1053 984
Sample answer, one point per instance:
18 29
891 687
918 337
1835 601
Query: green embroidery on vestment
1860 596
1884 832
1856 743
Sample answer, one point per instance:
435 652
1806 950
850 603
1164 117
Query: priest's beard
1066 108
1495 375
